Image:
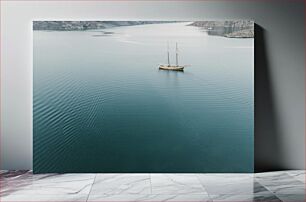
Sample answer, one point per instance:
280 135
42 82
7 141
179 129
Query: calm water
102 105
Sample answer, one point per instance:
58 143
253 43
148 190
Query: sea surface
102 105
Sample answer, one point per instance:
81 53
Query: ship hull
171 68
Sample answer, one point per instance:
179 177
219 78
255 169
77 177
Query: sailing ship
170 67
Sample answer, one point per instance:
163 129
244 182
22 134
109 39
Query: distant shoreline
230 29
87 25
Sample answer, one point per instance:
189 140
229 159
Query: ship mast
168 54
176 48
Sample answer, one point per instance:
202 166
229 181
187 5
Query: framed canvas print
143 96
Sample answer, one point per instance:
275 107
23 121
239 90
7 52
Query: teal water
101 104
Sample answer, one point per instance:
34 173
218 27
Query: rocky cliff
233 29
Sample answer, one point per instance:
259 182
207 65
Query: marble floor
271 186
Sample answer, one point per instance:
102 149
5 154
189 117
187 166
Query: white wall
282 23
